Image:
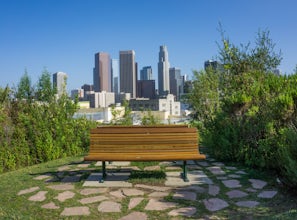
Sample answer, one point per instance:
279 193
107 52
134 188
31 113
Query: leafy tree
242 59
205 95
24 88
45 91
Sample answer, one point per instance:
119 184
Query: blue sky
64 35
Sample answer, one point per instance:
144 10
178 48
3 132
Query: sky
64 35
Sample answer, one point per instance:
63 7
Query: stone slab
109 206
92 199
76 211
134 202
63 196
267 194
213 190
215 204
158 205
195 177
135 216
29 190
50 205
117 179
62 187
247 204
236 194
185 195
132 192
89 191
258 184
186 211
114 164
231 183
39 196
216 170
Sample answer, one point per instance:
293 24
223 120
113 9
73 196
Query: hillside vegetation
245 112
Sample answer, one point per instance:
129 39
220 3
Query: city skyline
33 37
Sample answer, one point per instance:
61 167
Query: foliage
242 59
252 116
36 127
150 119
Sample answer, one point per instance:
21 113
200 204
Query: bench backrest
153 139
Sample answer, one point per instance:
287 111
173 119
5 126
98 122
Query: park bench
144 143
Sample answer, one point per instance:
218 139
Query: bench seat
144 143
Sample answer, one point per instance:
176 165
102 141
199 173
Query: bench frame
188 139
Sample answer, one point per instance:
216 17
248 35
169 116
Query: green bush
253 119
37 127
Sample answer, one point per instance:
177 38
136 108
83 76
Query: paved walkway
211 184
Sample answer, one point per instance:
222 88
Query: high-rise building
146 89
128 72
146 73
115 75
176 82
102 73
59 82
163 71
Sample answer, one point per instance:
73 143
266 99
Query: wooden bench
144 143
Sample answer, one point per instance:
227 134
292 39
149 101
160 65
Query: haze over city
64 35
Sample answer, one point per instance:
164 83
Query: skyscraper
176 82
146 73
163 71
59 82
128 72
102 73
115 75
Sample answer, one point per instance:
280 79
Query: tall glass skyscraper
115 75
128 72
163 71
146 73
102 73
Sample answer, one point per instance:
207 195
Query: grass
12 206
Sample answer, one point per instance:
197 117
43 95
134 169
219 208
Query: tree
24 88
45 91
242 59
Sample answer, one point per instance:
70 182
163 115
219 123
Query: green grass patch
156 177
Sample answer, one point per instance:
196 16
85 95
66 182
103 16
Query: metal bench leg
184 175
103 172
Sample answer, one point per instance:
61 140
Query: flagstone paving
211 185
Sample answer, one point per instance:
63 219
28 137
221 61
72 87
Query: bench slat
141 129
143 157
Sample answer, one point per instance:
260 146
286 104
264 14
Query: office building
128 72
146 73
176 82
146 89
59 82
163 71
101 99
166 104
115 75
102 78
